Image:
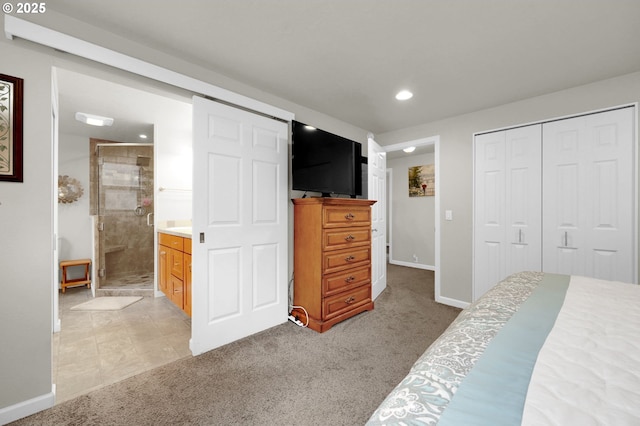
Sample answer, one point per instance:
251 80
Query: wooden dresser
174 269
332 260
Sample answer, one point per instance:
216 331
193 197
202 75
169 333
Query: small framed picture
11 93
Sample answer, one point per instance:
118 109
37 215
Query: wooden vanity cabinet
332 260
174 264
187 278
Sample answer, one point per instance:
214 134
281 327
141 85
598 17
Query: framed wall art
11 93
422 181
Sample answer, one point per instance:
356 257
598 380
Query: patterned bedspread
433 380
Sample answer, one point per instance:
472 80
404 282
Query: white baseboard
452 302
412 265
28 407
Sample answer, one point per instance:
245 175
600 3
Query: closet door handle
520 235
566 239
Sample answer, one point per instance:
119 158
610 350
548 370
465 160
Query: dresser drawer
346 301
339 216
345 280
334 261
172 241
176 263
337 238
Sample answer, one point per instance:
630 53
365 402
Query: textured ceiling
347 58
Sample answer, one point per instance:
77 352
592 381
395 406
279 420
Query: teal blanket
494 391
424 394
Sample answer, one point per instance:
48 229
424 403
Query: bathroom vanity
174 266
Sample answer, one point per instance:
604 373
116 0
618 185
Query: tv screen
324 162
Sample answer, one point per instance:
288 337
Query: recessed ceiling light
93 120
409 149
403 95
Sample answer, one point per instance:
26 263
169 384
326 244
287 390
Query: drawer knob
349 238
349 258
350 300
350 278
349 216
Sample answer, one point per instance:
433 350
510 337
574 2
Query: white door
507 234
489 202
589 196
239 224
377 184
523 194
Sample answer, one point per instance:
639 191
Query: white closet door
489 220
588 201
524 186
507 205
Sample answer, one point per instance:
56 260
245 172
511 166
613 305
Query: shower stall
123 207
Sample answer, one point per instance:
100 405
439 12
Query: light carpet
286 375
107 303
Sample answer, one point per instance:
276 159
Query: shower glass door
125 223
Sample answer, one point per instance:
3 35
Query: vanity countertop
179 231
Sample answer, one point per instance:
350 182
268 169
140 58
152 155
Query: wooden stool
66 282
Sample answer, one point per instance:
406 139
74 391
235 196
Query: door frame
15 27
435 141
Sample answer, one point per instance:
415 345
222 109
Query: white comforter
588 371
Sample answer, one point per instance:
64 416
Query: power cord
295 319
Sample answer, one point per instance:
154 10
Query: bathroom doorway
122 189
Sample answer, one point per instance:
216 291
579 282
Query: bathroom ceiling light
403 95
409 149
93 120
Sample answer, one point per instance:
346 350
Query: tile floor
97 348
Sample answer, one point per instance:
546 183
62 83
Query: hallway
97 348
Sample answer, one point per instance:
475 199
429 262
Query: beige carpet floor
286 375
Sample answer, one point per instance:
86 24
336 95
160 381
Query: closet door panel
489 237
523 187
588 198
507 205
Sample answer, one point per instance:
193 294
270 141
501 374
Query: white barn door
239 224
377 184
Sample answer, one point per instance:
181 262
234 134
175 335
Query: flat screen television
324 162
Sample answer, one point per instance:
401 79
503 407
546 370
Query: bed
536 349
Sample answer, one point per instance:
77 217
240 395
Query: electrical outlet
415 258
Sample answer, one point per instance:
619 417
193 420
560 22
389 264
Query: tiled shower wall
123 198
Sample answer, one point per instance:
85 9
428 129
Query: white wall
456 161
26 251
412 221
74 222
